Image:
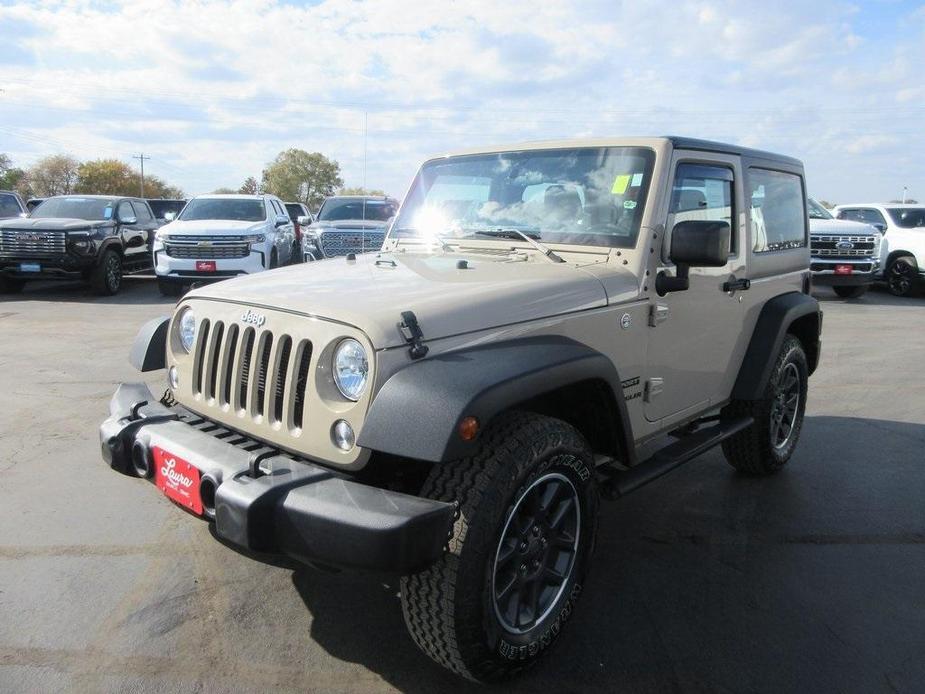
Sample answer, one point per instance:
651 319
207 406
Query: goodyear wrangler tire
519 553
766 446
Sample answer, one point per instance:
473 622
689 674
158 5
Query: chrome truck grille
253 372
32 244
207 247
338 242
843 246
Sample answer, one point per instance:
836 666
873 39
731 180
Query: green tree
224 191
360 190
250 186
11 177
155 187
107 177
297 175
54 175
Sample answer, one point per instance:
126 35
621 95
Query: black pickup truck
97 238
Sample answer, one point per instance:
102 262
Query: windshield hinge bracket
411 332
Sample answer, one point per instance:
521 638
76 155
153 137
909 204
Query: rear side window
9 206
777 214
704 193
862 214
141 212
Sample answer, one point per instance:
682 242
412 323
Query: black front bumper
265 501
66 266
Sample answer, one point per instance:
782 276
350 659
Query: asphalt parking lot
704 581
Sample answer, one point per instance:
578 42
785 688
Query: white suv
902 251
221 236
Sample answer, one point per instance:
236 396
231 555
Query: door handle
735 285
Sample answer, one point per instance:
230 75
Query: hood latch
411 332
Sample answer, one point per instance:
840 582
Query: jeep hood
840 227
372 291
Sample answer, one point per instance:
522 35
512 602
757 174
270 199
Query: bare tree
54 175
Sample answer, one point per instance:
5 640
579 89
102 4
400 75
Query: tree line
294 176
62 174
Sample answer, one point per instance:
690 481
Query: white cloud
214 89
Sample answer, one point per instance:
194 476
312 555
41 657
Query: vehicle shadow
136 290
712 581
875 296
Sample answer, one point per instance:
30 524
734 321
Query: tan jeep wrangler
452 407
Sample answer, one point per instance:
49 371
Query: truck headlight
255 238
351 369
186 328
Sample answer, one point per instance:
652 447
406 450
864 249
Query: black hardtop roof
711 146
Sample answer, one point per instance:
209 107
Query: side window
703 192
278 209
867 215
778 216
125 210
9 206
141 212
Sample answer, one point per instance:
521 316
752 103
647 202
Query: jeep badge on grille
253 318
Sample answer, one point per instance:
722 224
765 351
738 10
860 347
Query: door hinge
654 386
658 313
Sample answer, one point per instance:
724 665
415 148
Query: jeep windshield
908 217
225 209
589 196
91 209
817 211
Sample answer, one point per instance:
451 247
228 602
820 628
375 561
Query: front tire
519 553
851 292
901 276
766 446
106 277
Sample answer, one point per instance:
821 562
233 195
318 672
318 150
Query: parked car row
208 238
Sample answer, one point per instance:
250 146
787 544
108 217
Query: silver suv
453 407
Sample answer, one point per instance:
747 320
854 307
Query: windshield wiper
512 233
417 232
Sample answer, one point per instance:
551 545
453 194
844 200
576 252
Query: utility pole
142 158
904 195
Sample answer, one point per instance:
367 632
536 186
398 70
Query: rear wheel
851 292
766 446
106 277
519 553
10 285
901 275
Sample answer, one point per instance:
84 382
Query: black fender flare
113 242
777 317
417 411
149 350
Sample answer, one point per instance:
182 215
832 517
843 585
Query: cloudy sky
211 91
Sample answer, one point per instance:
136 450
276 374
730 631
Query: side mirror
879 226
23 214
280 222
170 216
129 220
303 220
694 243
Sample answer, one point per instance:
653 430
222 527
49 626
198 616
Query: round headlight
187 328
351 369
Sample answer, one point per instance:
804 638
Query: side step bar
674 455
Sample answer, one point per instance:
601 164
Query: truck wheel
169 288
274 260
11 285
851 292
765 446
106 277
519 552
900 275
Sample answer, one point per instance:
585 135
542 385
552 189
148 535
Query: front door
694 333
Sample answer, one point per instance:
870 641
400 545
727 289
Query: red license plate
177 479
844 269
205 266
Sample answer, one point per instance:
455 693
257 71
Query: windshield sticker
107 213
620 183
629 204
637 180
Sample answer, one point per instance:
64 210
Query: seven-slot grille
207 247
337 242
16 242
252 371
828 246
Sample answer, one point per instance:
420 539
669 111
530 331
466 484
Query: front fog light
173 378
343 435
